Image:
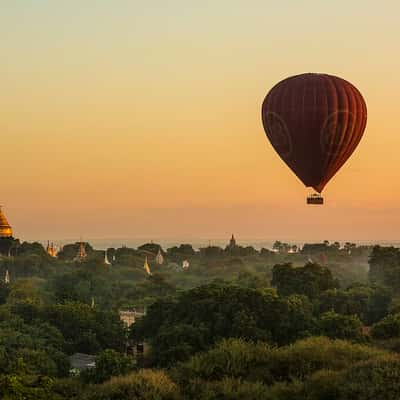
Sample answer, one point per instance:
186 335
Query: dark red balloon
314 122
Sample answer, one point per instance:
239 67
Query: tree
35 349
369 303
261 362
27 248
109 363
223 311
310 280
82 285
177 343
281 247
86 329
142 385
4 292
337 326
388 327
17 387
183 250
8 245
211 251
348 247
315 248
374 379
150 248
266 253
384 266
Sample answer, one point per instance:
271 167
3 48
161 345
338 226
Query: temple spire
106 261
159 257
232 242
146 267
81 252
7 278
5 227
51 249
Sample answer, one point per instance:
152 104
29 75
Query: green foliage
282 247
310 280
241 251
8 245
27 249
221 311
184 250
17 387
384 266
369 303
86 329
218 326
31 349
388 327
211 251
234 358
28 265
252 280
109 363
373 379
143 385
261 362
323 384
177 343
151 248
4 292
227 389
337 326
82 285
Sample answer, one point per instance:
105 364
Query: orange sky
143 120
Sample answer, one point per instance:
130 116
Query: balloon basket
315 199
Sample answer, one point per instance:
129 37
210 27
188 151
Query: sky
142 118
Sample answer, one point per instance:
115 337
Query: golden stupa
5 227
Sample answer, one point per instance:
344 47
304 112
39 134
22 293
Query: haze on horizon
143 119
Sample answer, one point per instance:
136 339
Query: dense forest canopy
321 321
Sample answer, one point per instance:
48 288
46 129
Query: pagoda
51 249
7 278
146 267
232 243
159 258
106 260
5 227
80 257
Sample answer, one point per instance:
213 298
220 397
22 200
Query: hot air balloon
314 122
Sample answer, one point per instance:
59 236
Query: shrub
373 379
143 385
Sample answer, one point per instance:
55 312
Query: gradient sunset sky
142 118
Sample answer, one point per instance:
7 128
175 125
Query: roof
82 361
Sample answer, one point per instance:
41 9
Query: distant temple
159 258
232 243
185 264
129 317
5 227
51 249
81 252
7 278
106 261
146 267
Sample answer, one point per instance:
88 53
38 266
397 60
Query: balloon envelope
314 122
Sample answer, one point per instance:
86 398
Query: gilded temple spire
5 227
